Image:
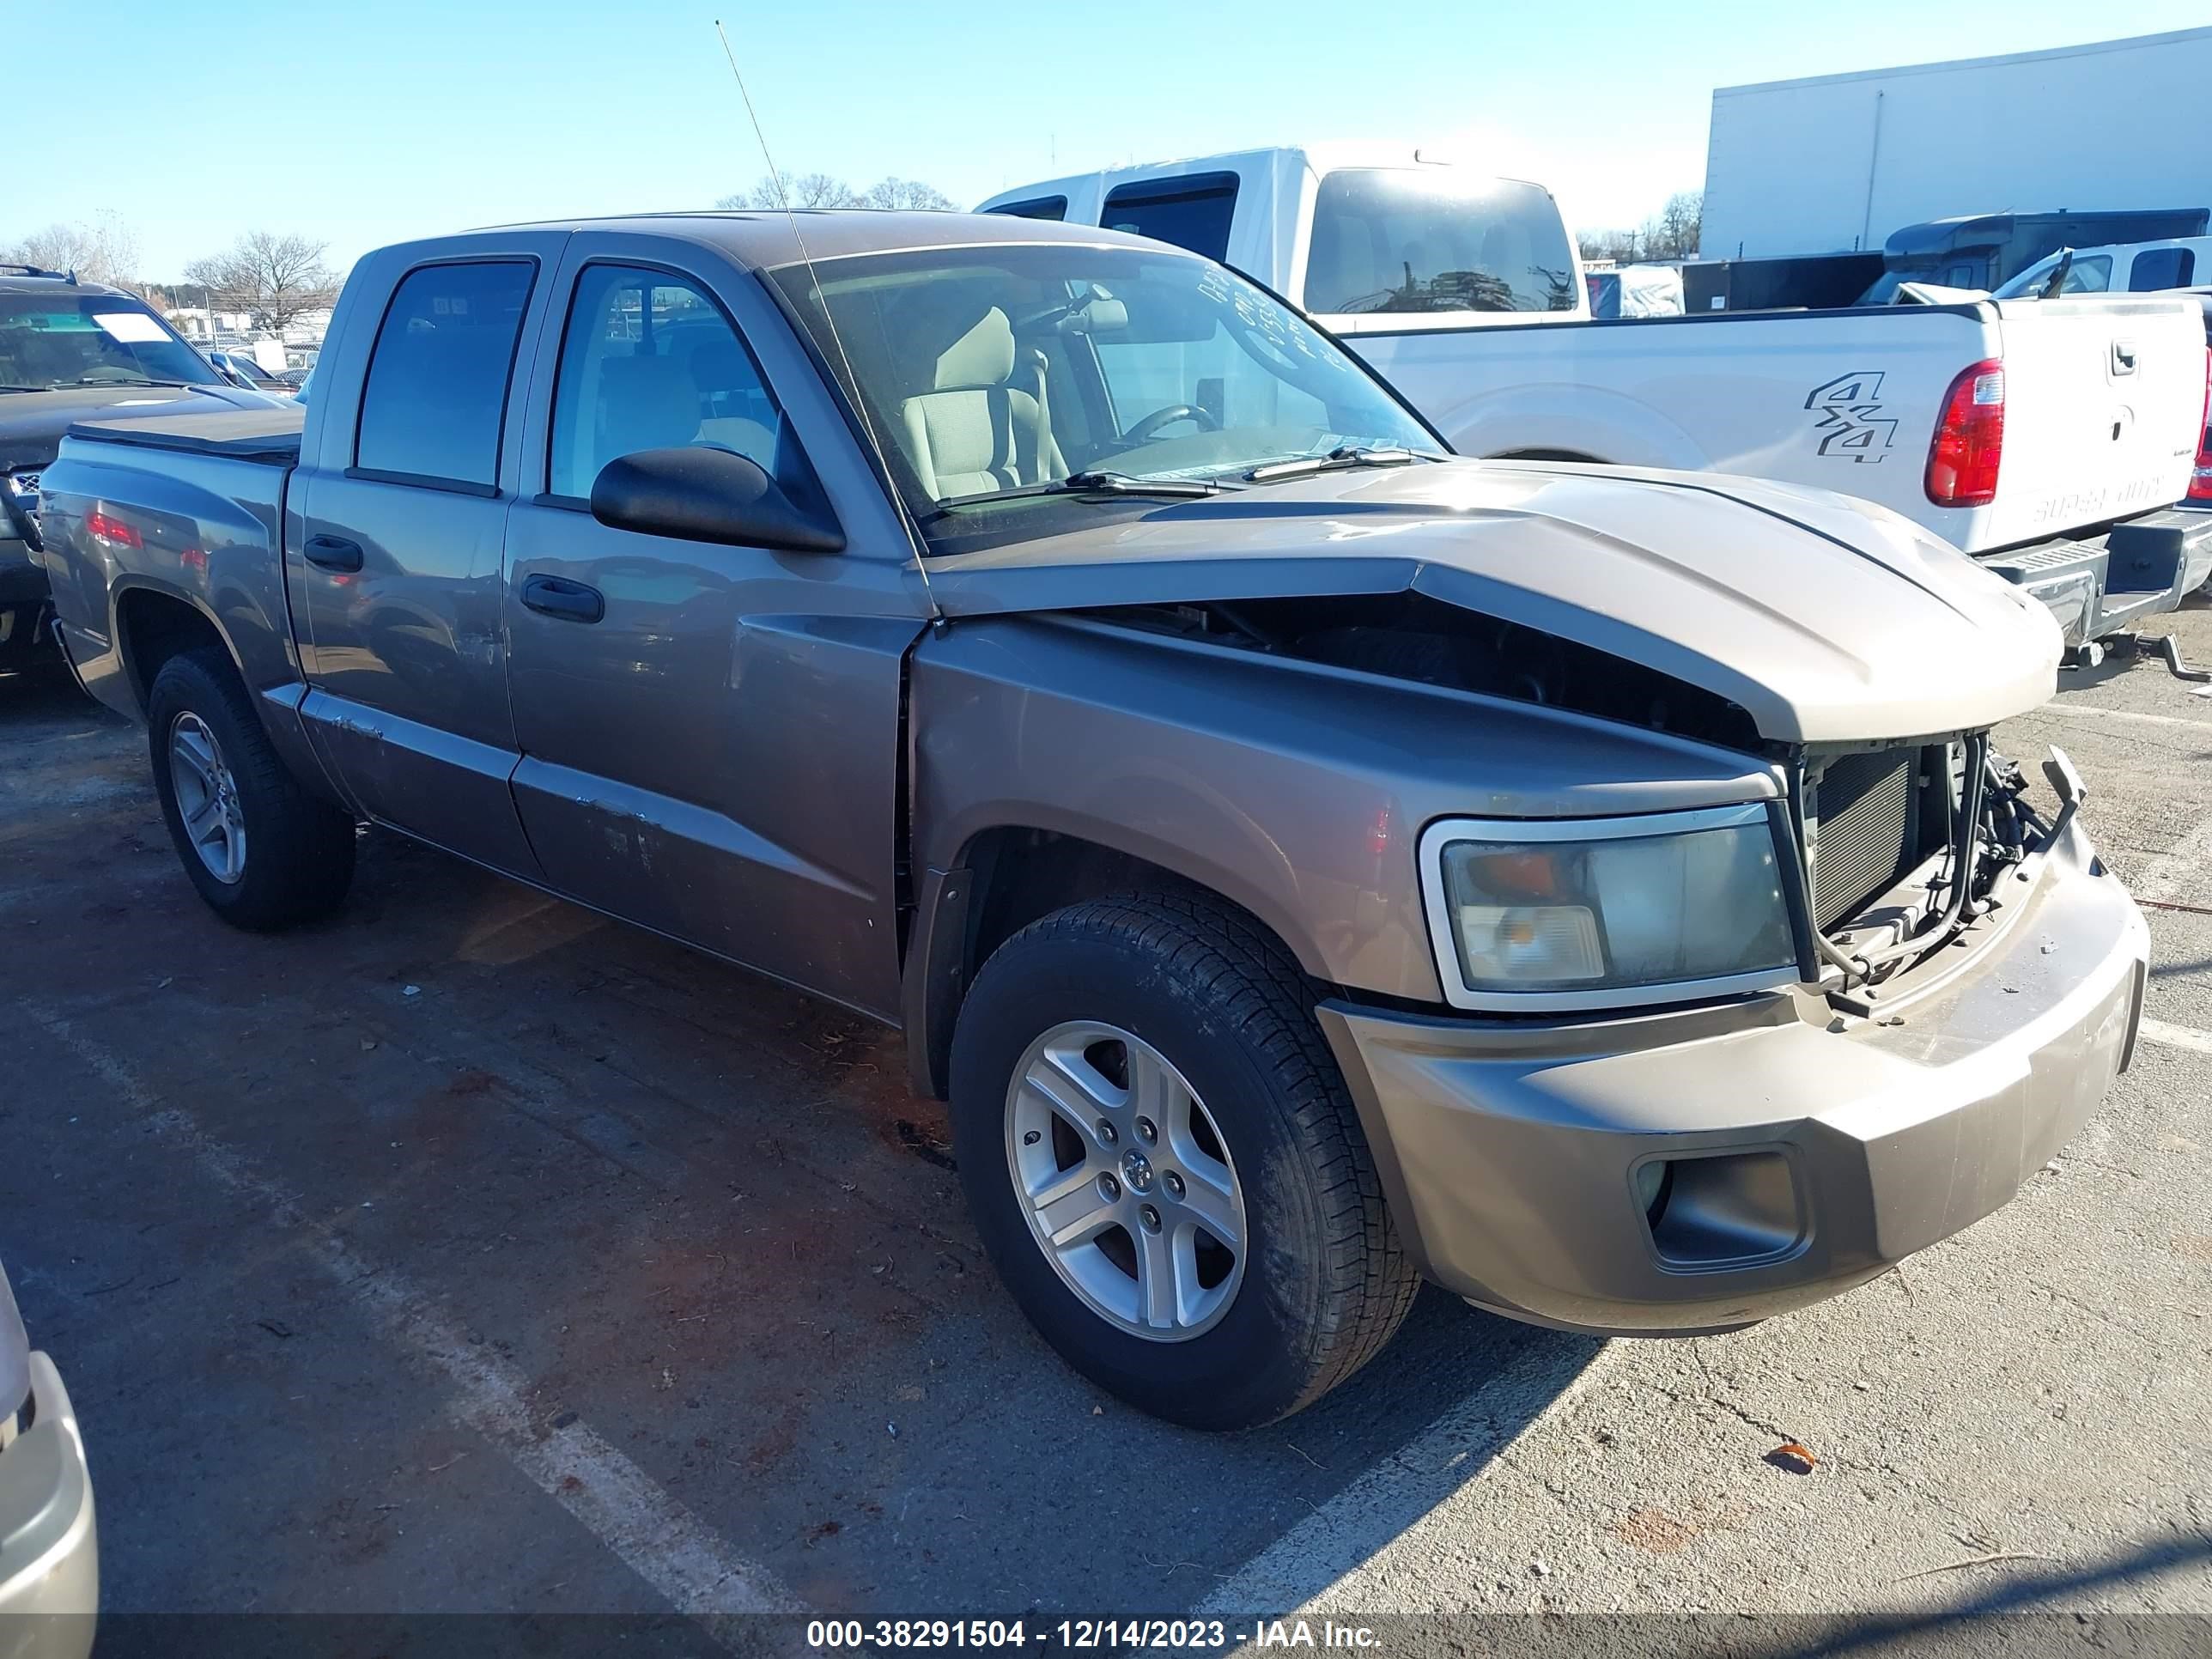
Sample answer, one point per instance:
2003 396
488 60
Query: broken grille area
1868 827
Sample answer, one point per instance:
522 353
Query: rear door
709 734
2103 398
402 521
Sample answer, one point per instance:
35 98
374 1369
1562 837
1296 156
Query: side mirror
703 494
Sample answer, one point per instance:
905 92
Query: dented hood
1827 619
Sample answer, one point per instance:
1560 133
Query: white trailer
1836 162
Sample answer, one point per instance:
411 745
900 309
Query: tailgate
2104 403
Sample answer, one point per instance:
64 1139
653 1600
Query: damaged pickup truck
1307 861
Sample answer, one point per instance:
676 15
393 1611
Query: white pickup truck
2046 439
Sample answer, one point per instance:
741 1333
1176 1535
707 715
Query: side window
1191 212
650 363
2090 276
2162 268
1053 207
438 373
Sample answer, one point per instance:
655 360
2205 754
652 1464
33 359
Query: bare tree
822 190
1621 247
806 190
102 252
1672 232
906 193
274 279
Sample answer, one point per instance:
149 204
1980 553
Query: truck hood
32 422
1826 619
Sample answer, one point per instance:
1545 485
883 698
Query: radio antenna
822 304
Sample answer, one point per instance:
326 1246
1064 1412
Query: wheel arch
1005 876
153 624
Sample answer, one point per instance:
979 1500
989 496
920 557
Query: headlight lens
1666 900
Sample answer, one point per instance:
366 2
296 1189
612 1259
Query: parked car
69 349
2117 268
241 370
1306 860
49 1545
2046 440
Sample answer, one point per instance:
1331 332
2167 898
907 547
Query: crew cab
1306 860
2049 441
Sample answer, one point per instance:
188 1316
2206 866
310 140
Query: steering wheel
1146 429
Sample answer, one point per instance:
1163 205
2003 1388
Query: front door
709 734
397 554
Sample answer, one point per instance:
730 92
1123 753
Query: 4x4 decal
1852 423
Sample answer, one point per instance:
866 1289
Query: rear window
438 374
1191 212
1390 241
2162 268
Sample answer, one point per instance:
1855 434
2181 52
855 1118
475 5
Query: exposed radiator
1867 830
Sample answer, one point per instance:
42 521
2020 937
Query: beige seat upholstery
974 428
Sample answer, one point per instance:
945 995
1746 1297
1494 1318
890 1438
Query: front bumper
23 595
1803 1151
2099 584
49 1547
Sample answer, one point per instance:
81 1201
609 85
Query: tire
295 852
1318 1282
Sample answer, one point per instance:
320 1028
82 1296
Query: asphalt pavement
471 1252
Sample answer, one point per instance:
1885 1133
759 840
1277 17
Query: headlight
1606 912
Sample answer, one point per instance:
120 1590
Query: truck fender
1570 420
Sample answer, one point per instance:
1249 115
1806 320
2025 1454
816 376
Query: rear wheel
262 852
1166 1165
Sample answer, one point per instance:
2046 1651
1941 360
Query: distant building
1836 162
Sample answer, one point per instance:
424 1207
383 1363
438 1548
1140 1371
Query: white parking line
652 1533
2126 716
2176 1036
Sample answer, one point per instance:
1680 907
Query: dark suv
70 350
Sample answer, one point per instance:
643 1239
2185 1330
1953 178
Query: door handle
556 596
333 552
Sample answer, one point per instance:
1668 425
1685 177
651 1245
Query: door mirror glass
703 494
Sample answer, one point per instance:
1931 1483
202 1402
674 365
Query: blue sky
395 118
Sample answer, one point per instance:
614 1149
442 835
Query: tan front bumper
1804 1159
49 1547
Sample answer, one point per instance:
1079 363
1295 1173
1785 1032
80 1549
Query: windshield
990 371
1387 240
2090 273
64 339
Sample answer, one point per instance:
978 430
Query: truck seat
972 431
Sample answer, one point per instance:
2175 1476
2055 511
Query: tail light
1969 440
2200 481
102 525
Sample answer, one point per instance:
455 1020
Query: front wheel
1166 1165
262 852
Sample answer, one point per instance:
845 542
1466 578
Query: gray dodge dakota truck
1307 861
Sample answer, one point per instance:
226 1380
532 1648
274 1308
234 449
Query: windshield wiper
1082 483
1336 460
124 386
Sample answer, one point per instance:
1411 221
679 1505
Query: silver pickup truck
1306 860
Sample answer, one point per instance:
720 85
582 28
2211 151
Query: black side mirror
704 494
